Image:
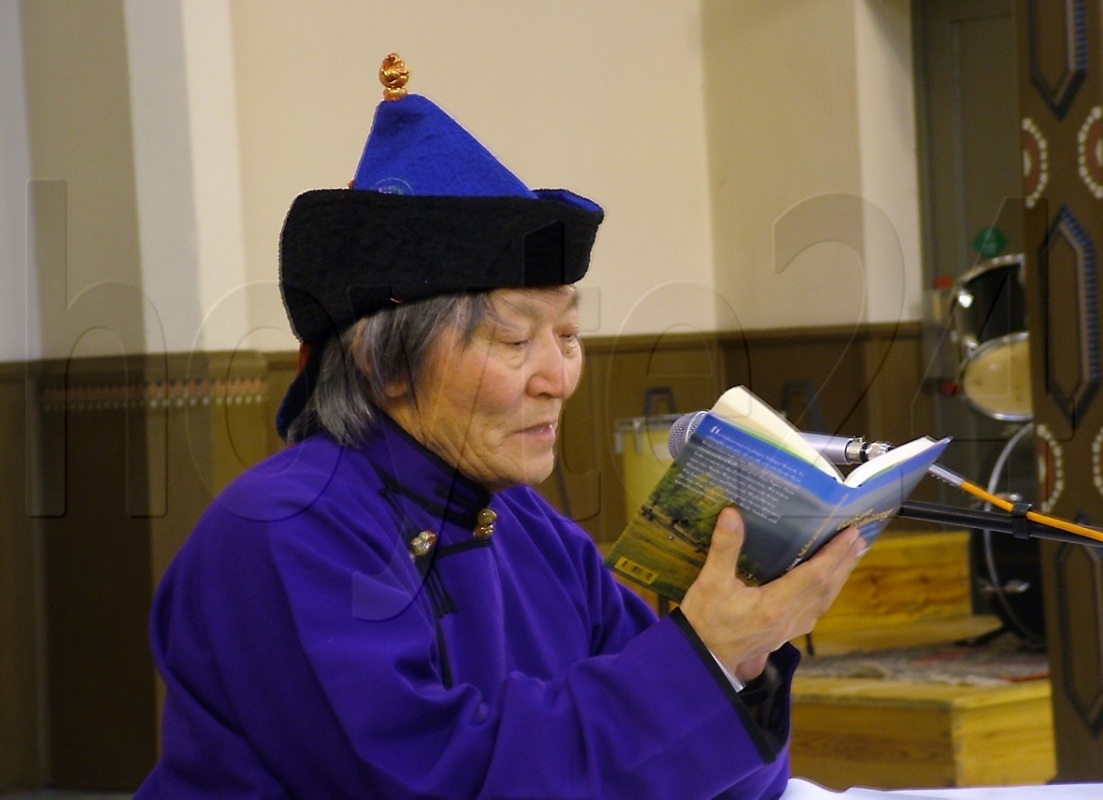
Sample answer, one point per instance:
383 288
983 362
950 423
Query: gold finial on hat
393 74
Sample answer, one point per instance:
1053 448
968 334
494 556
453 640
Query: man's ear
396 390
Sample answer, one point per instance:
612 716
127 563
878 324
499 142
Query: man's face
491 407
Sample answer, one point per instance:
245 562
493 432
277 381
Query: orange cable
1033 516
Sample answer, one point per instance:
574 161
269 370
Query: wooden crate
904 577
894 734
912 589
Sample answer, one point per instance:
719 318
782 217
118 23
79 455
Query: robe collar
432 491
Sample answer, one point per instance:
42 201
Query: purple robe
308 654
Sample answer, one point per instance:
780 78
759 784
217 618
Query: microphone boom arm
989 520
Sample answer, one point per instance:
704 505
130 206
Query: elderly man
387 608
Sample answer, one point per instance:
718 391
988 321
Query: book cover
792 502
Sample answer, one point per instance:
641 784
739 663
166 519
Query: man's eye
570 343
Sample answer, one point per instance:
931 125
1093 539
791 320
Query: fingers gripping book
793 500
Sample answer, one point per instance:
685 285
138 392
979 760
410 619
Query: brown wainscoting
113 461
22 762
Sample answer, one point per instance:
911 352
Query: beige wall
889 159
188 178
603 98
754 157
812 169
14 172
83 246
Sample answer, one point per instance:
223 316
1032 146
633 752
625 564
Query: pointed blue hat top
415 148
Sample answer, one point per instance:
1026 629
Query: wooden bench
895 734
913 589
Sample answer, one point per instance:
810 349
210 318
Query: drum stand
988 521
989 326
997 588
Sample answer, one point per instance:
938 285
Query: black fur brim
345 253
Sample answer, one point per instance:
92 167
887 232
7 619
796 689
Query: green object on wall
989 242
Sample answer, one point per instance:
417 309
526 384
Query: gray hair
378 351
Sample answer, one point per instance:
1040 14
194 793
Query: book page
741 407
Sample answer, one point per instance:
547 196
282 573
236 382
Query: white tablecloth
800 789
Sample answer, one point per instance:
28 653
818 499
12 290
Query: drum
645 456
1010 568
990 330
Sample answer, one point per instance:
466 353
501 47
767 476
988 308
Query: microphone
836 449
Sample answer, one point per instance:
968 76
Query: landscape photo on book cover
791 504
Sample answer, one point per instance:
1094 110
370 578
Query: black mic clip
1020 523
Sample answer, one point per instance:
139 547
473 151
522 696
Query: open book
792 499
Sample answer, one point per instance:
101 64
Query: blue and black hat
430 212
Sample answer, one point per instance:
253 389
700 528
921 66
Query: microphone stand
1012 523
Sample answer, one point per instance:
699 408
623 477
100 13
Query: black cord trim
464 546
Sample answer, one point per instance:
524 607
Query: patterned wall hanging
1050 468
1089 146
1068 248
1058 64
1035 162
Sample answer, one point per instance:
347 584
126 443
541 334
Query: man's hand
743 624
